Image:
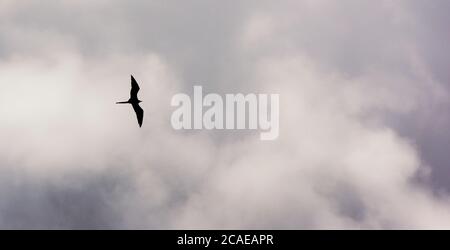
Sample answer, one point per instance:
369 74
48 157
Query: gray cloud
364 101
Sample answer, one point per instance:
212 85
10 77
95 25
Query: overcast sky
364 114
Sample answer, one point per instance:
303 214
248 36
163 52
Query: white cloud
340 69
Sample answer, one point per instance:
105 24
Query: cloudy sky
364 114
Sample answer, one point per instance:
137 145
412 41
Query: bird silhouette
134 101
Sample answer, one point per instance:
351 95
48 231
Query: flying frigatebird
134 101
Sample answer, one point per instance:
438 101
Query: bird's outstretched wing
139 113
134 89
